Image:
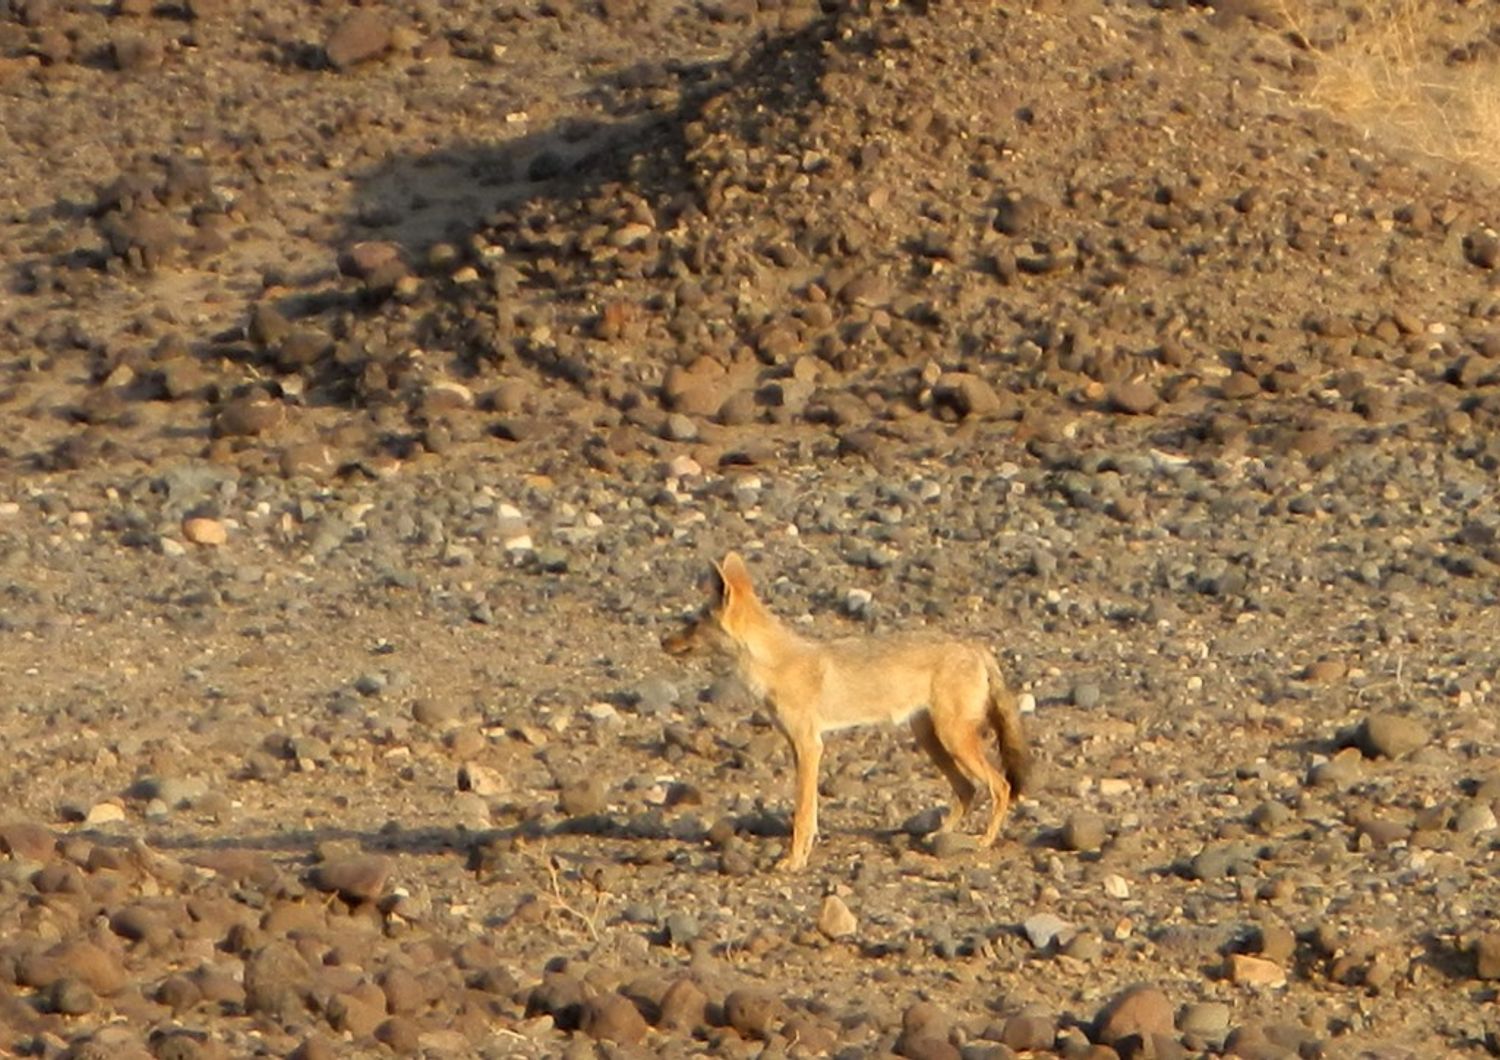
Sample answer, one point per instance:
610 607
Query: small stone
1042 929
69 997
104 813
178 993
1255 971
1086 695
1206 1019
1340 771
1474 817
1276 942
583 797
1140 1011
1325 671
23 839
362 36
370 258
924 1033
612 1017
312 460
1029 1033
434 713
1135 397
249 417
404 992
357 878
680 428
560 996
835 920
276 978
1487 956
400 1035
683 1007
655 695
752 1013
481 780
681 928
1083 832
1085 946
1390 735
1482 248
134 52
968 395
92 965
204 531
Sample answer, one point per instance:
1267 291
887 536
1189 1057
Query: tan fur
949 690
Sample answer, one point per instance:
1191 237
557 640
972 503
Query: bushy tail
1005 715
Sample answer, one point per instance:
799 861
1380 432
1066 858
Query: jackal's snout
683 639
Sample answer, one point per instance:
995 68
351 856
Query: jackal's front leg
807 748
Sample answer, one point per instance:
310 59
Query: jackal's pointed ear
735 576
717 588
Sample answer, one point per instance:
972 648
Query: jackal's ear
736 576
717 588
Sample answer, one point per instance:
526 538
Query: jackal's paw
791 863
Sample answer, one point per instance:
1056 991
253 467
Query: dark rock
613 1017
361 36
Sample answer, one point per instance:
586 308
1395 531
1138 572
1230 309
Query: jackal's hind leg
963 789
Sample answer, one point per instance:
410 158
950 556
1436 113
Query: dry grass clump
1390 69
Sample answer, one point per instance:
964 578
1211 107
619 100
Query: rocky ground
376 383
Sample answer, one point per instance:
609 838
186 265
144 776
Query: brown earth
376 382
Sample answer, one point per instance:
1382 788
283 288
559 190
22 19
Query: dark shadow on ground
514 210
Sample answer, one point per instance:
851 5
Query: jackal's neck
766 641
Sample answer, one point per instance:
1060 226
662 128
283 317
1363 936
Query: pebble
1086 695
69 997
357 878
359 37
1136 397
1255 971
1383 735
655 695
614 1018
1474 817
752 1013
104 813
400 1035
27 840
683 1007
583 796
1042 929
1340 771
481 780
1138 1011
1487 956
1027 1033
681 928
835 920
1206 1019
1083 832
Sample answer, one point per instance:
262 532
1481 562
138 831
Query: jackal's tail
1005 715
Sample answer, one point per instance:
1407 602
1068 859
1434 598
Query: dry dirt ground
376 382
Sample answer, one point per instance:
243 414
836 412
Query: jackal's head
714 626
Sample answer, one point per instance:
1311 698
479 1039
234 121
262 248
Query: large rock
362 36
1138 1013
1390 735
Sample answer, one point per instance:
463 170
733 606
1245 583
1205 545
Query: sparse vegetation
1400 72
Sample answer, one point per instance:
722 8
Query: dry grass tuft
1383 72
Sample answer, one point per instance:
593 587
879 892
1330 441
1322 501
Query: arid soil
376 383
